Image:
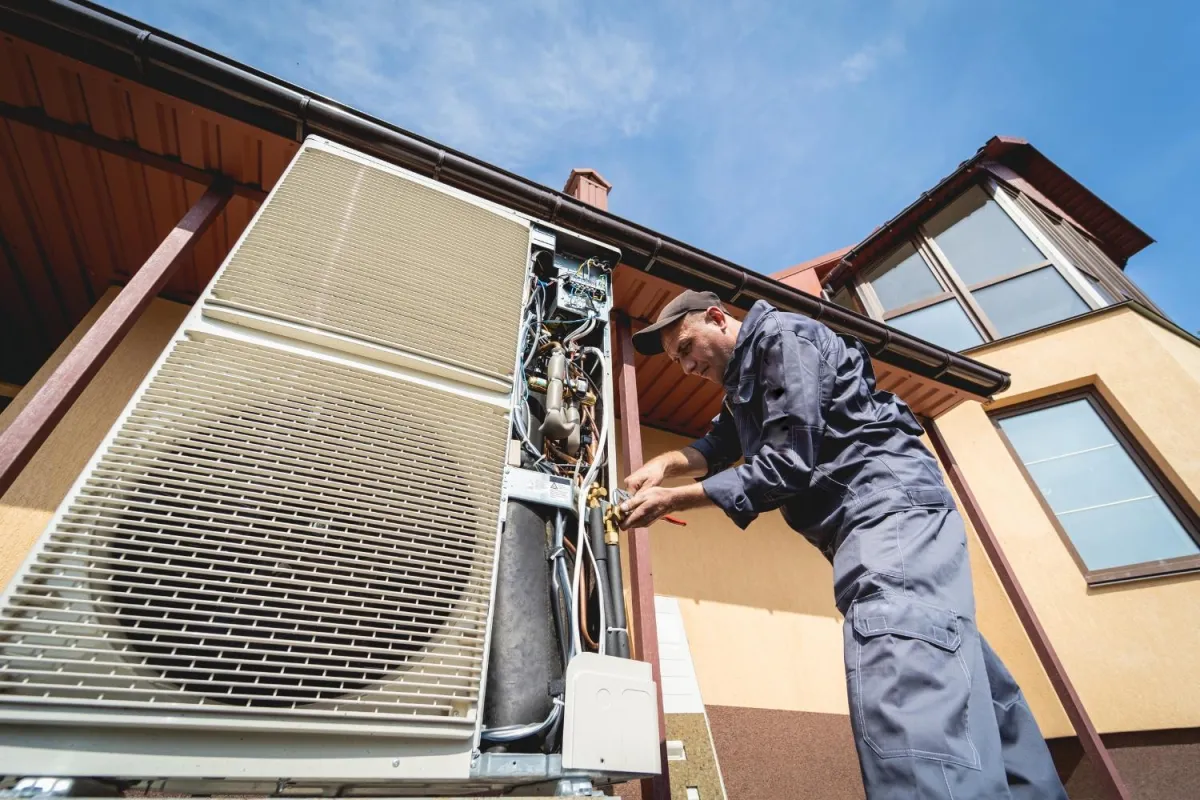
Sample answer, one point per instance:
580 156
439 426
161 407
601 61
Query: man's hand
653 503
671 464
651 474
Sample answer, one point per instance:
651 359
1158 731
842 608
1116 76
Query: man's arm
712 453
796 385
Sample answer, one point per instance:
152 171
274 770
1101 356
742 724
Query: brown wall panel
1156 765
785 754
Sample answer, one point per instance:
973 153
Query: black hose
619 643
600 551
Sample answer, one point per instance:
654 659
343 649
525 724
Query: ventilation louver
351 249
270 532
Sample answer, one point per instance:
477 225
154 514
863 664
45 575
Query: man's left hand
655 502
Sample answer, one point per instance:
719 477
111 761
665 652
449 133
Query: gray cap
648 340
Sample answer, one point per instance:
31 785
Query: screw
395 762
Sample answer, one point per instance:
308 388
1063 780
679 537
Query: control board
582 286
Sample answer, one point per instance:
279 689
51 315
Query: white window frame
1043 243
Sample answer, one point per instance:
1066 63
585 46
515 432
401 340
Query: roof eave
111 41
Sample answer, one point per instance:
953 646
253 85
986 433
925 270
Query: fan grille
271 532
362 251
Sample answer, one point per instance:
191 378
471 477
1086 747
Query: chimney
589 186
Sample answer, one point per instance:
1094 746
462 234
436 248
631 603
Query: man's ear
716 316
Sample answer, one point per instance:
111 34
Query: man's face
701 344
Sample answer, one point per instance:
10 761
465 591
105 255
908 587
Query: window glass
1030 301
944 324
903 278
979 239
1111 511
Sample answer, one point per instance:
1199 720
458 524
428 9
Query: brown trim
21 439
9 389
641 574
39 120
1093 745
1133 448
1010 275
908 308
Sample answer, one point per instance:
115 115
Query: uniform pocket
910 686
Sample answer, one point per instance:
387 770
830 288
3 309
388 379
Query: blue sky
766 133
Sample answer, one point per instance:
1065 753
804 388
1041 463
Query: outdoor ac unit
276 574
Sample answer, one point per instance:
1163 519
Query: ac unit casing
277 569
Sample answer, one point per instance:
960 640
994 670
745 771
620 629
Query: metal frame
1134 449
1093 745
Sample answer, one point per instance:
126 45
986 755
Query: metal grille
270 533
364 252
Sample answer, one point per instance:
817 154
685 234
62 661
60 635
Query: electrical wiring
581 516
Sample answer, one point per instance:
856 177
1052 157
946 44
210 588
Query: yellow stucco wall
30 502
761 622
1130 649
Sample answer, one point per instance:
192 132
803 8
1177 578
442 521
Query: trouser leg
1029 768
920 701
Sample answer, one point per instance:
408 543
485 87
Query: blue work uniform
935 713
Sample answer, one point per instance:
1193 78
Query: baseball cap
648 341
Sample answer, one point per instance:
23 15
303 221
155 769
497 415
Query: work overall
935 713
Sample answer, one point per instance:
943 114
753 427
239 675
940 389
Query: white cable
600 592
581 512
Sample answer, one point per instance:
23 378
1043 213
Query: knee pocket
910 685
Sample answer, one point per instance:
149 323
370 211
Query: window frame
954 288
1133 448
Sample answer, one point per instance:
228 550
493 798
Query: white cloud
863 63
497 81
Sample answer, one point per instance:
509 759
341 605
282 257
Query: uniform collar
754 318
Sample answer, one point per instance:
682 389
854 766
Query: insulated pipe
525 657
600 551
620 636
179 68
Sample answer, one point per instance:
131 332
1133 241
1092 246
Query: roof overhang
198 80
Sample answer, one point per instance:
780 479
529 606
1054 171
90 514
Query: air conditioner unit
345 535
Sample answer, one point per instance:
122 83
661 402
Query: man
935 713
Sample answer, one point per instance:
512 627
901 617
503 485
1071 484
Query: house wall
1129 649
28 505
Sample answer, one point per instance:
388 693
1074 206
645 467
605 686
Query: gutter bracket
139 48
302 118
437 167
658 243
882 346
740 287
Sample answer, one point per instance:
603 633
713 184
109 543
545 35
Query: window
973 274
912 298
1120 519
